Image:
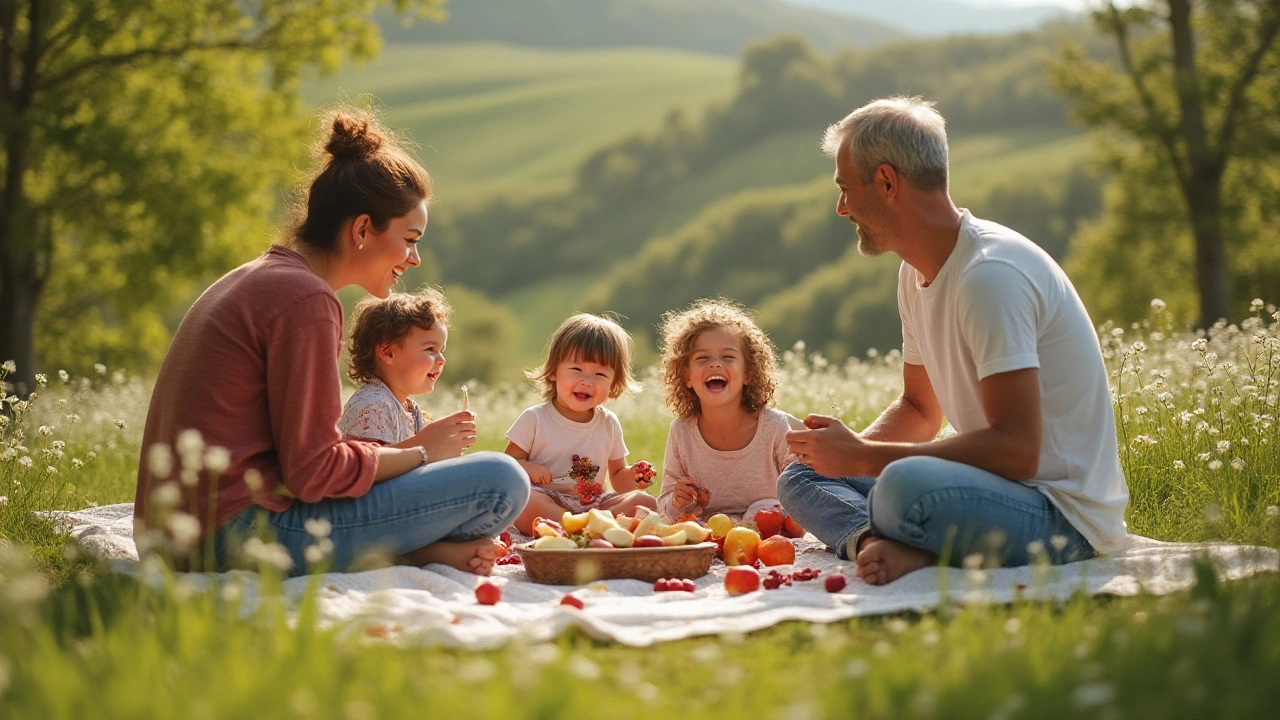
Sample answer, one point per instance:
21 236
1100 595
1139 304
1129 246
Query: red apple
776 550
740 546
648 541
741 579
769 522
835 583
488 593
601 544
572 601
792 528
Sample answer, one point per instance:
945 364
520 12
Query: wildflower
9 366
1012 626
51 470
120 424
1215 465
217 459
4 500
42 379
167 495
100 368
253 480
1035 548
63 376
1272 511
1158 305
856 668
319 527
584 668
73 418
1058 542
973 562
1179 465
185 530
77 463
270 554
1256 306
4 420
1199 344
45 430
160 460
1223 446
1237 464
26 461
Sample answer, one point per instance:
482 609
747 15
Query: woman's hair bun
355 136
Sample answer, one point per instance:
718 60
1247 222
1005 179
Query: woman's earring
360 246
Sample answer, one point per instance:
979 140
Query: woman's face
388 254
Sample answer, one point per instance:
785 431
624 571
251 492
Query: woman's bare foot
882 561
473 556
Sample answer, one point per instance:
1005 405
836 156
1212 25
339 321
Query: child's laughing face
581 386
413 365
717 368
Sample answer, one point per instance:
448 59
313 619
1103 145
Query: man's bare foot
473 556
882 561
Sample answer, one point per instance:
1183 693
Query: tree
1193 88
139 141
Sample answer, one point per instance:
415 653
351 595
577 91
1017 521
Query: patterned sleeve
368 420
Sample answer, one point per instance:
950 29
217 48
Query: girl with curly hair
727 446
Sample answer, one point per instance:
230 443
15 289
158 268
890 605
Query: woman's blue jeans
463 498
950 509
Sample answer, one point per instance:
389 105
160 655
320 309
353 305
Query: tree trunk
1204 203
19 295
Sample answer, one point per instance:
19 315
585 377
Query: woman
253 369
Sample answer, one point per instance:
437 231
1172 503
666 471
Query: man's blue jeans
459 499
950 509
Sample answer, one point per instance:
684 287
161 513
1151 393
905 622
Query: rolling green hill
493 119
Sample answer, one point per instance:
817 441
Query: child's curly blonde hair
681 329
590 338
378 321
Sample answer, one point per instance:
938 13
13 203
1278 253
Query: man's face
861 204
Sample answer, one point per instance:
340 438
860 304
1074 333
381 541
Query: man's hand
831 448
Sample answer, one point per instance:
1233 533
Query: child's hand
538 474
643 473
686 492
449 436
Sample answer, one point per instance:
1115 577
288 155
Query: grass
1197 425
494 119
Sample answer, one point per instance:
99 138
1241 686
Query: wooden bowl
583 565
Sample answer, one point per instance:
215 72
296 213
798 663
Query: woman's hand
448 437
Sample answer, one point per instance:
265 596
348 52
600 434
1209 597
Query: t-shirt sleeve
782 451
524 429
304 396
619 448
999 315
672 471
910 349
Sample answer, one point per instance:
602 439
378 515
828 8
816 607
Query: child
566 440
726 447
397 350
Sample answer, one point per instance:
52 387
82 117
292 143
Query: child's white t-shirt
736 479
552 439
999 304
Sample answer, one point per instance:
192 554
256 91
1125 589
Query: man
994 339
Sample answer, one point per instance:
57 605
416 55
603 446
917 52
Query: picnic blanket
437 605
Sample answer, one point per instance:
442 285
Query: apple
573 522
741 579
649 541
627 523
792 528
740 546
675 539
619 537
720 525
543 527
835 583
488 593
769 522
642 510
572 601
665 530
600 520
648 524
554 542
600 544
776 550
694 532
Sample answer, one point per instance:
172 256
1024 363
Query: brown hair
591 338
367 173
379 321
681 329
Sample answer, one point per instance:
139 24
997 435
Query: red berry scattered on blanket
488 593
688 586
512 559
835 583
804 574
572 601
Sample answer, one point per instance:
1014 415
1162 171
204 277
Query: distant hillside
712 26
936 18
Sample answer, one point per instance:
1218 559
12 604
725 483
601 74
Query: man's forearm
1006 454
902 422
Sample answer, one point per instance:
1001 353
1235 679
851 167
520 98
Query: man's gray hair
905 132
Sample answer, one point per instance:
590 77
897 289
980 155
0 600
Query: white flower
63 376
318 527
26 461
973 561
51 470
1237 464
160 460
217 459
1158 305
185 530
77 463
253 480
584 668
1035 548
1215 464
4 500
120 424
100 368
1178 465
1272 511
166 496
271 554
9 366
1223 446
1256 305
1058 542
45 430
42 379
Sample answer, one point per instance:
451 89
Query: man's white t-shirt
552 439
999 304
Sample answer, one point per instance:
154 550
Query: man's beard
868 245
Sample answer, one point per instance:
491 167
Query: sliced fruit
600 520
554 542
573 522
649 541
543 527
619 537
675 539
694 532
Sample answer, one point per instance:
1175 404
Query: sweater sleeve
304 395
672 470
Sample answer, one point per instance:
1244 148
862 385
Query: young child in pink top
564 442
726 447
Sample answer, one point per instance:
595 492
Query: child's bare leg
540 505
627 502
475 556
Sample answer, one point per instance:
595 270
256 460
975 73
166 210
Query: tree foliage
140 142
1196 88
